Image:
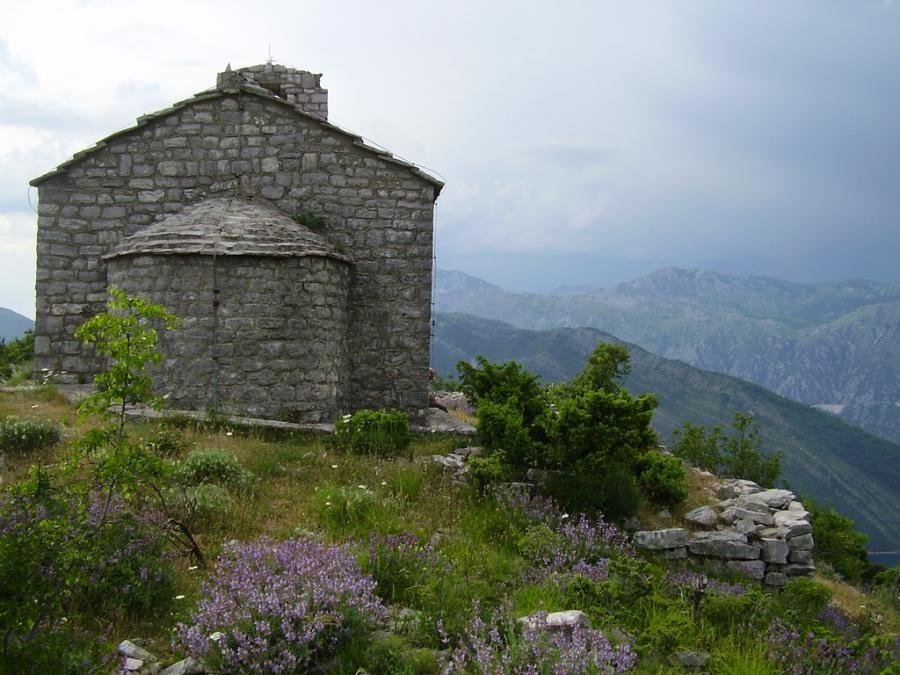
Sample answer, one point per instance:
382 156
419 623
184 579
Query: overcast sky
582 143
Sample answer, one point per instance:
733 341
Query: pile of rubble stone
763 534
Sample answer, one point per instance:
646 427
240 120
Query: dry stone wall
230 142
763 534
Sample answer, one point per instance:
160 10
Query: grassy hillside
824 457
452 569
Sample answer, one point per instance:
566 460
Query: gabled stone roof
238 86
227 226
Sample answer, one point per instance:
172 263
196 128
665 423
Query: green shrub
661 478
485 470
595 429
612 491
70 557
213 466
501 427
838 542
505 384
166 442
16 353
802 600
392 655
384 433
313 221
200 506
406 483
343 507
18 435
736 455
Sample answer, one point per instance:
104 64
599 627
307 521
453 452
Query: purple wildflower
279 605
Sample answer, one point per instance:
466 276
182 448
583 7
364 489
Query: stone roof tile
227 226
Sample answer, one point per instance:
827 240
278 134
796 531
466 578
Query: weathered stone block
774 498
774 550
802 543
775 579
755 569
704 516
799 556
725 545
661 539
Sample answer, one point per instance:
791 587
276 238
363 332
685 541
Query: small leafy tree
126 335
736 455
838 542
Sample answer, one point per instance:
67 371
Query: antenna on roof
271 60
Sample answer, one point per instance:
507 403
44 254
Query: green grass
304 484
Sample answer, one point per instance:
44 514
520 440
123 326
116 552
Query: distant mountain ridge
834 345
13 325
824 457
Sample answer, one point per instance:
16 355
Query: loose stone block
774 550
794 528
775 498
775 579
661 539
799 556
555 621
754 569
726 545
760 517
705 516
802 543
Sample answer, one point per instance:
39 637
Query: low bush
392 655
838 542
736 455
613 491
485 470
500 647
406 483
200 506
343 507
661 478
67 557
19 436
805 653
400 565
384 433
166 442
276 607
213 466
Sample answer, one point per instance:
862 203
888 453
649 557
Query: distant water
887 558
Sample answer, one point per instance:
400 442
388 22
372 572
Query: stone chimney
298 87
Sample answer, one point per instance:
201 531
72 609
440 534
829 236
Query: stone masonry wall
275 346
379 212
295 86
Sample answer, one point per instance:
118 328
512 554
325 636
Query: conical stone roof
227 226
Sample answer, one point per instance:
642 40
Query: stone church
298 256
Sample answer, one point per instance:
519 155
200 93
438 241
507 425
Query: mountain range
832 461
13 325
831 345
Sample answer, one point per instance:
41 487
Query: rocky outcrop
763 534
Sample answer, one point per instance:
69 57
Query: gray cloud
583 143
